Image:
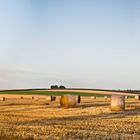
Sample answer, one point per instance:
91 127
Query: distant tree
54 87
62 87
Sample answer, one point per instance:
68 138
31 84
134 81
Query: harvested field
91 119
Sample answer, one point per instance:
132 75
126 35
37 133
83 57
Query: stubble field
91 119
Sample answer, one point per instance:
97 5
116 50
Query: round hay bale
126 97
82 97
48 98
2 99
117 103
58 98
79 99
105 97
36 98
137 97
68 101
93 97
33 97
53 98
21 97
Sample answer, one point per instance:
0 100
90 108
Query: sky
76 43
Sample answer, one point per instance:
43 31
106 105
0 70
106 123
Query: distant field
55 93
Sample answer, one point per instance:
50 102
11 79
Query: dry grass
92 119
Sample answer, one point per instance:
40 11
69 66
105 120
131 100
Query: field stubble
92 119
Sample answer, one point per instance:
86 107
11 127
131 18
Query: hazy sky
76 43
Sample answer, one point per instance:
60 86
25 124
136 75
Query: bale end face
137 97
68 101
105 97
126 97
93 97
2 99
36 98
48 98
117 103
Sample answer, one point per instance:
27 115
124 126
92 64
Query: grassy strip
55 93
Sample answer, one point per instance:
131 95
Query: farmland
48 92
91 119
61 92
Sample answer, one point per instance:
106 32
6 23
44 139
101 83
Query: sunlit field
28 118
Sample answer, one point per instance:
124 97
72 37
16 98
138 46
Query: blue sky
76 43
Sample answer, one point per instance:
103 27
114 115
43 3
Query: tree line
57 87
